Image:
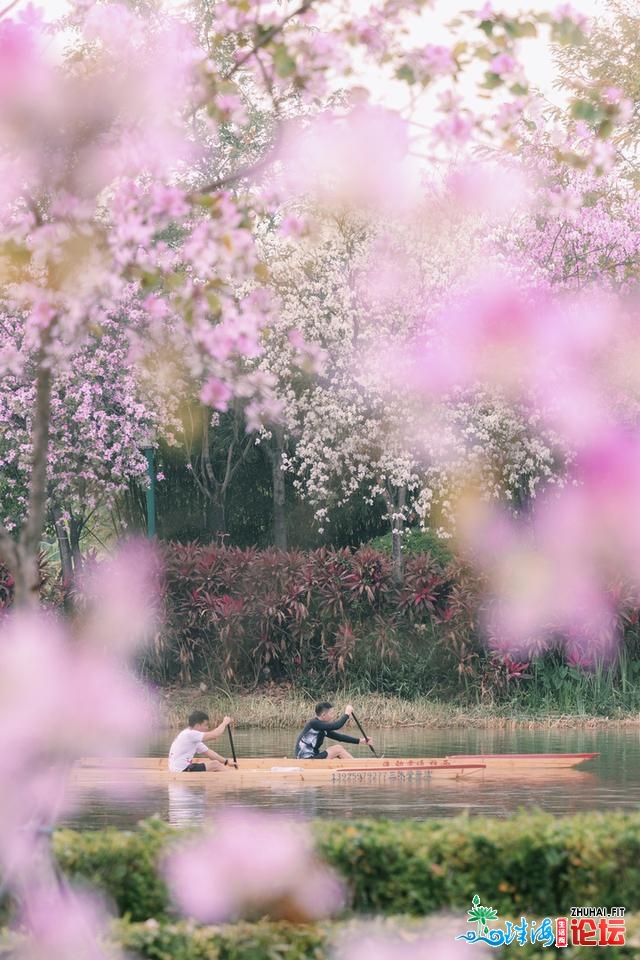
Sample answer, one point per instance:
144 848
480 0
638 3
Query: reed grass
284 709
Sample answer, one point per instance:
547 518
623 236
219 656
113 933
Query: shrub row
242 941
246 616
257 941
532 862
283 941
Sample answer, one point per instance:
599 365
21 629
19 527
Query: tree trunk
23 560
396 520
26 592
75 532
219 516
64 548
214 480
280 539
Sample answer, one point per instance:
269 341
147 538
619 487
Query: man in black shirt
324 724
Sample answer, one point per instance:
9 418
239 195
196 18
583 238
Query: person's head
198 720
324 710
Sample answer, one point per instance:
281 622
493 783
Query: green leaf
528 29
283 61
406 73
492 80
583 110
516 29
605 128
567 33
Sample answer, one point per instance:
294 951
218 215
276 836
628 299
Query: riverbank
282 708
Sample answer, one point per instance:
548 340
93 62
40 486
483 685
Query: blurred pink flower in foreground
121 599
252 862
58 702
555 353
355 159
73 134
65 695
478 189
553 572
63 925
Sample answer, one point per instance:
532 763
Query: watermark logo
587 926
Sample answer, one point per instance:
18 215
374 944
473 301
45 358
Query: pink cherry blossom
120 596
216 394
293 226
68 716
64 924
438 59
456 128
503 64
552 572
566 11
251 862
354 159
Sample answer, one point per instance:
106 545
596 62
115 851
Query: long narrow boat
262 771
279 771
527 761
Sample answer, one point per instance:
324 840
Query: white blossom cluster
350 293
506 454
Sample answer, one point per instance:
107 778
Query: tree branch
8 8
31 532
267 37
231 178
256 167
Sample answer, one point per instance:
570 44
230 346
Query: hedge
242 941
121 864
531 863
281 941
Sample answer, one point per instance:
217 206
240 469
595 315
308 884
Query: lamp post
150 454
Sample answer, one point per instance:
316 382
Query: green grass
605 691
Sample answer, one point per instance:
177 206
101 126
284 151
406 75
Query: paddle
233 749
363 734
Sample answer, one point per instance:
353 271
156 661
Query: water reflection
612 781
187 803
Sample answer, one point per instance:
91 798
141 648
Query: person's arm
216 756
343 737
219 730
328 725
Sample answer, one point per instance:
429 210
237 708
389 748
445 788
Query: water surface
610 782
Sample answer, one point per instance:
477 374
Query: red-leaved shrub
245 616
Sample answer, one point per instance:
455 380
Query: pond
610 782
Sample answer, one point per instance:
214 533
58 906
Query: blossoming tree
113 173
360 290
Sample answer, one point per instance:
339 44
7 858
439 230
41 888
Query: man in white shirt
190 742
